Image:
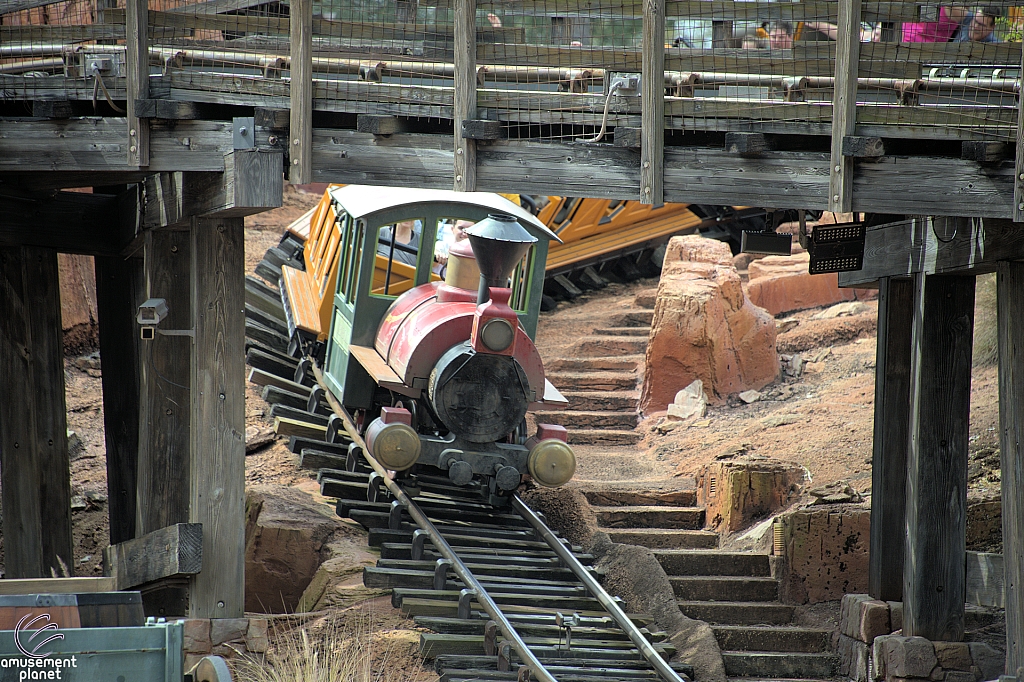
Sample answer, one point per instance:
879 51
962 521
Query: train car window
345 260
521 283
398 247
357 258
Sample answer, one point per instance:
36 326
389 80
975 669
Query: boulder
705 328
737 492
285 536
781 284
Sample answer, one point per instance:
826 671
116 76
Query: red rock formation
781 284
77 301
705 328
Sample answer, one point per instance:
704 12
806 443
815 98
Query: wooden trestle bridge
183 117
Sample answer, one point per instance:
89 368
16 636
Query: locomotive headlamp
551 463
394 444
497 334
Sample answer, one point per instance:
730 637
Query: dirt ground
821 419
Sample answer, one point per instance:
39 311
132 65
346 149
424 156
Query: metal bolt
839 169
459 151
1020 207
647 190
647 164
132 132
458 178
835 197
272 139
243 131
1021 176
223 397
132 149
295 142
220 604
295 162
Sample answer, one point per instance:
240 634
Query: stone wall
226 637
826 552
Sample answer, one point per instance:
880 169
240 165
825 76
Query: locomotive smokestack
499 243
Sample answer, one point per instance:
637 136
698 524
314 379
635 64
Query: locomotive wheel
478 396
212 669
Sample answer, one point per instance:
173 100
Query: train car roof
363 200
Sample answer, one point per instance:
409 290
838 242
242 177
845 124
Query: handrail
653 657
441 545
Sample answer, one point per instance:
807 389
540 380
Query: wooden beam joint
171 552
858 147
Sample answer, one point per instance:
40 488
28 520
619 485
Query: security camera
152 312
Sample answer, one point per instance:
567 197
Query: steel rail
537 669
662 667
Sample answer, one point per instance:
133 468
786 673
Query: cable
604 117
106 94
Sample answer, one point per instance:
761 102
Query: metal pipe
31 50
662 667
49 64
441 545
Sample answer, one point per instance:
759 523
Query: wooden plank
934 581
863 147
986 579
170 552
844 105
626 136
380 125
165 372
480 129
983 151
217 478
889 447
465 99
746 144
936 245
300 150
119 292
34 460
652 99
168 109
137 56
1010 321
14 586
1018 181
54 34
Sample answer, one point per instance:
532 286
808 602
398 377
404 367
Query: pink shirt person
931 31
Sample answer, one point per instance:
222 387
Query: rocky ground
820 417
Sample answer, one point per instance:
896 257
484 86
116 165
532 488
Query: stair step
599 419
664 538
593 381
738 612
603 437
633 318
610 345
725 588
602 400
753 638
653 516
776 664
713 563
624 331
612 363
611 498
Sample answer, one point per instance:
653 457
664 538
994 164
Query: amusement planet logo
37 665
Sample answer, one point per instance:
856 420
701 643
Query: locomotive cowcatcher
439 374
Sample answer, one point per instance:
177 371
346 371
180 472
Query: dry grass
331 649
986 343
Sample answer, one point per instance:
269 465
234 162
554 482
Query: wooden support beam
137 56
936 245
300 148
252 182
169 109
464 104
165 373
20 586
844 106
652 102
170 552
217 473
746 144
630 138
272 119
858 147
119 291
52 109
34 461
1010 307
934 570
381 125
43 219
983 151
1018 175
889 450
480 129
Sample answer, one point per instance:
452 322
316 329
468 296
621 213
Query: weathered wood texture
480 129
119 291
889 449
986 577
746 144
936 245
1018 182
300 145
43 220
170 552
217 473
628 137
934 581
34 459
137 57
464 104
983 152
55 585
844 105
165 373
863 147
652 98
1010 305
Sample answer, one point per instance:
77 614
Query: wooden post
34 459
119 291
1010 297
301 131
934 572
1018 180
217 479
844 106
652 105
889 451
465 93
165 372
137 56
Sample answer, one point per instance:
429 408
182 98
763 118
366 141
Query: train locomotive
441 373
